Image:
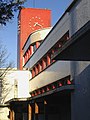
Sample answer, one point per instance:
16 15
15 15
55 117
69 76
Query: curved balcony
36 36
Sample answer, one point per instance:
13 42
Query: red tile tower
29 20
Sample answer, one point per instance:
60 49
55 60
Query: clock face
36 23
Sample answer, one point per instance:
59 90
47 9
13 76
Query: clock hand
36 23
39 25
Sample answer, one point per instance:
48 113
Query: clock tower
30 20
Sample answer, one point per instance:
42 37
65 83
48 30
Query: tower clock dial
36 23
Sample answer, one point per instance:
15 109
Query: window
48 59
33 72
34 47
31 49
29 52
37 44
44 63
40 66
36 69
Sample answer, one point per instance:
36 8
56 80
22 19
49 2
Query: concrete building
15 88
66 104
59 78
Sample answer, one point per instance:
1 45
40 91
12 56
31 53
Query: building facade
15 87
59 89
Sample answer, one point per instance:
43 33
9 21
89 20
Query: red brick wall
31 19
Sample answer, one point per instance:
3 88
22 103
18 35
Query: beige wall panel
53 73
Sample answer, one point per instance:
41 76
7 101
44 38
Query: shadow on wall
81 95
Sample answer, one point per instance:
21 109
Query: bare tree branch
5 67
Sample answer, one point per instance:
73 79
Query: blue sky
8 33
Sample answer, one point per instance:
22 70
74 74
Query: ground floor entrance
52 107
